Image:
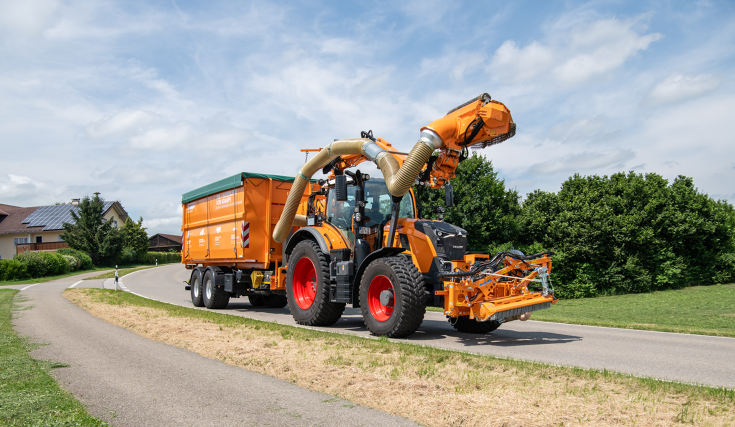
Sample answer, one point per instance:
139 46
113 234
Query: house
164 242
38 228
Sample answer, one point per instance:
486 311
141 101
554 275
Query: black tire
196 289
321 312
409 297
256 300
214 297
472 326
275 301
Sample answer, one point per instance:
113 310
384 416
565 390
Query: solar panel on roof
54 217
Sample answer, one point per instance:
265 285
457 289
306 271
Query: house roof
173 237
13 222
42 218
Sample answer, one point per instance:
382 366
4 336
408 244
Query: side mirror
340 187
448 195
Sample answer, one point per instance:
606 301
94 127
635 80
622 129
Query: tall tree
135 236
92 234
482 204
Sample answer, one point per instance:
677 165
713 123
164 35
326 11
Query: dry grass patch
431 386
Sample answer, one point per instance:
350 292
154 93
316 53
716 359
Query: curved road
129 380
677 357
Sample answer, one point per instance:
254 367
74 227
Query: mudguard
303 233
380 253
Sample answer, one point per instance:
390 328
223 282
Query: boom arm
479 122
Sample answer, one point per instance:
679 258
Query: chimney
75 202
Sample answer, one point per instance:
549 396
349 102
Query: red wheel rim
304 283
380 312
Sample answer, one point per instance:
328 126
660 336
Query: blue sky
145 100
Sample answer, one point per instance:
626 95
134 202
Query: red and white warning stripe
245 235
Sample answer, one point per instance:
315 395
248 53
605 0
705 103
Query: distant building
38 228
164 243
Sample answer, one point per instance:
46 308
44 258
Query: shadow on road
431 329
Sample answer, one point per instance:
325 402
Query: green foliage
482 204
55 263
134 235
127 257
630 233
84 261
73 262
12 269
92 234
162 257
36 264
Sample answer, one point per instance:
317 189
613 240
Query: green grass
50 278
702 310
120 272
92 270
29 396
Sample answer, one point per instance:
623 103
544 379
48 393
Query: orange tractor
317 246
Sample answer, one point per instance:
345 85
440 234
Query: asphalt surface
686 358
128 380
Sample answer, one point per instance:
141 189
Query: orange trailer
227 228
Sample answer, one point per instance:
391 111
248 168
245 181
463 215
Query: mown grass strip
702 310
431 386
29 396
120 272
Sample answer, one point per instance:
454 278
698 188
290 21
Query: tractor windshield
377 206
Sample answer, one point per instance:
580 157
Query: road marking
76 284
29 286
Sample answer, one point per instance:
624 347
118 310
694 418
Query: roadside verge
431 386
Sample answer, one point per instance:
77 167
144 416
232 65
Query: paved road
128 380
678 357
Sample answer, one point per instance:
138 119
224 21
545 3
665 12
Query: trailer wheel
307 287
214 297
196 289
275 301
392 297
471 326
256 300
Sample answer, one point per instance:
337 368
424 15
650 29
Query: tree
631 233
92 234
482 205
134 236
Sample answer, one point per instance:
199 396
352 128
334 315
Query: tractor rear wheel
196 289
471 326
307 286
214 297
392 297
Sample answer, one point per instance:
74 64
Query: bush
72 261
631 233
55 263
35 263
127 257
162 257
84 260
12 269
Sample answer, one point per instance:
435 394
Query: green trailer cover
228 184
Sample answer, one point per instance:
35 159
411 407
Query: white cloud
677 88
26 19
13 186
122 123
585 130
573 54
583 162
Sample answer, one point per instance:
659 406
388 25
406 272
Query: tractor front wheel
307 287
392 297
